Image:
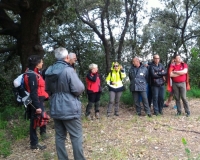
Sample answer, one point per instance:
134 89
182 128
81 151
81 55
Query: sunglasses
116 66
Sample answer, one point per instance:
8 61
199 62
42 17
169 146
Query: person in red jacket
35 85
180 84
93 83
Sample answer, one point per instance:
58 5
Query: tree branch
8 5
7 24
3 50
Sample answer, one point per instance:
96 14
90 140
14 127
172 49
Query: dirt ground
128 137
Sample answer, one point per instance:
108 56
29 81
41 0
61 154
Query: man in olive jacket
138 75
64 88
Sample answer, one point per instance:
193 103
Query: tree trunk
29 41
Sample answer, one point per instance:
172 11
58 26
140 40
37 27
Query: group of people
154 76
62 86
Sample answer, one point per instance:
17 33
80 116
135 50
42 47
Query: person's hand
113 83
121 67
38 111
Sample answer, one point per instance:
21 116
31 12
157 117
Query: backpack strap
120 74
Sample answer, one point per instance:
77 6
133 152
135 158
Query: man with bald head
138 75
157 73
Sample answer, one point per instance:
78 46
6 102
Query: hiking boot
97 115
44 136
188 114
89 117
161 112
178 113
116 114
108 114
38 146
139 114
149 115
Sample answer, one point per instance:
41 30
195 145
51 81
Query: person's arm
163 72
147 75
92 77
108 81
153 73
75 84
182 72
123 73
33 84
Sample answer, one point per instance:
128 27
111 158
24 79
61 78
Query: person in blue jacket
138 75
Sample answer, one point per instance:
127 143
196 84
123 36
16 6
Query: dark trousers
93 98
158 93
33 132
149 95
143 94
74 128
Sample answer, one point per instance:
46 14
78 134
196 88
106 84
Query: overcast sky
154 3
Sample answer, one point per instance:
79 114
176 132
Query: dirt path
128 137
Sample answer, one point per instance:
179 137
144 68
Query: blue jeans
158 93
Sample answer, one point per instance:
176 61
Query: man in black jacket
157 73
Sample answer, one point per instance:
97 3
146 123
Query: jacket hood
112 67
55 70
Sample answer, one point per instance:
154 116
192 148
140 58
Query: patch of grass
116 152
193 93
21 129
5 145
13 127
47 156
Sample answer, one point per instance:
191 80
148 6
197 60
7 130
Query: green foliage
187 151
20 129
104 99
12 127
194 66
47 156
127 97
5 144
194 92
6 94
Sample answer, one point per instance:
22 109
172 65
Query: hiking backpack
22 96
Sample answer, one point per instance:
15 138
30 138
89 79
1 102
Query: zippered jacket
64 88
93 82
157 73
35 85
138 78
117 77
